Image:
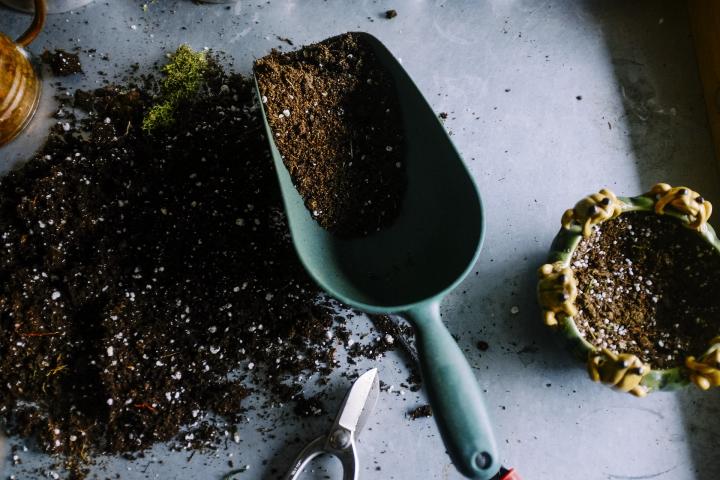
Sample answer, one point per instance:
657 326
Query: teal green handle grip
455 396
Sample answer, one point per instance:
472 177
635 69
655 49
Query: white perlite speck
55 295
286 112
515 310
110 351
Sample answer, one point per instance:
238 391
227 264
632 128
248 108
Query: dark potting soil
336 120
423 411
146 279
62 63
648 286
309 407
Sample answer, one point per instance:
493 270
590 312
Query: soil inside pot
336 120
147 278
648 286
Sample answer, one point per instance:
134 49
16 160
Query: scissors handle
321 446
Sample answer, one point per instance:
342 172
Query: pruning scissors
340 441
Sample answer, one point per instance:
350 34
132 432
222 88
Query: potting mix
649 286
337 124
148 274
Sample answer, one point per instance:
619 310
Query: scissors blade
359 402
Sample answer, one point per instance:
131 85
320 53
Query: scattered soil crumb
422 411
648 286
62 63
391 14
285 39
482 345
443 115
309 407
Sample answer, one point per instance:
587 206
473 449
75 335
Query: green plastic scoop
407 268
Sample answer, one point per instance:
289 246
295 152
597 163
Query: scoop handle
455 396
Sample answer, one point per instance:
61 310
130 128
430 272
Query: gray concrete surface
508 73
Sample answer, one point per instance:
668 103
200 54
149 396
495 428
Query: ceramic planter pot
557 290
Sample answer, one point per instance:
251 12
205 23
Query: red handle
511 475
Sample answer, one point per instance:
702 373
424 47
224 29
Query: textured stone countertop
547 101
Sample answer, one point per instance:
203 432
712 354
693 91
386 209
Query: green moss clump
184 75
159 116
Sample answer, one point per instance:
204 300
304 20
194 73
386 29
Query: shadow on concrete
658 80
657 76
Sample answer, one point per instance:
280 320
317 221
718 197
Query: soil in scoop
146 278
648 286
336 121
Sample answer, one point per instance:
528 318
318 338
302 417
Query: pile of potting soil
144 278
